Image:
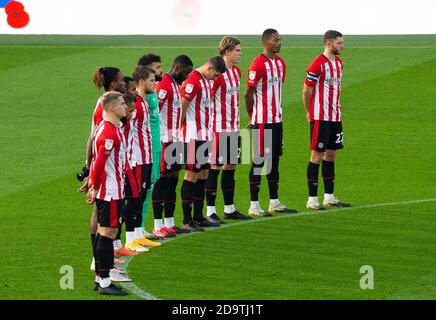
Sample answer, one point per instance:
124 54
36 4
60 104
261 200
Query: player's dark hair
268 33
227 44
183 60
127 80
103 77
218 64
129 99
141 72
331 35
110 97
148 59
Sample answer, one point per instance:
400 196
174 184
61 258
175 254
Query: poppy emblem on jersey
108 144
189 88
17 17
252 75
162 94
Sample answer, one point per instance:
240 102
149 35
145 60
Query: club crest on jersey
108 144
189 88
133 114
320 145
162 94
252 75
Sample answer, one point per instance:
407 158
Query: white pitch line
133 288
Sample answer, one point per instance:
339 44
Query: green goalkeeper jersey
153 107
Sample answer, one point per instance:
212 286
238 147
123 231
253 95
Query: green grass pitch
388 98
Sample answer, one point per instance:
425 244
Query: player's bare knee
229 167
110 233
203 174
316 157
215 167
191 176
330 155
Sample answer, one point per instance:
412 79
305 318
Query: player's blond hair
227 44
109 98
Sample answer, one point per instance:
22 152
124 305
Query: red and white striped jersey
170 108
225 101
266 76
140 128
197 89
97 116
109 165
325 76
128 138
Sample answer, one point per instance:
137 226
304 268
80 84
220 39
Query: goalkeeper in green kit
153 62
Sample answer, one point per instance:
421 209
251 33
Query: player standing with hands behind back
321 97
263 100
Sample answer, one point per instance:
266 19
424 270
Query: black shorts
198 155
326 135
226 148
143 176
267 140
172 156
132 188
109 213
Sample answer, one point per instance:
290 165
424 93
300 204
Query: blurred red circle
18 20
14 7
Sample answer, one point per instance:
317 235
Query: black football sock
312 178
199 199
158 197
94 249
328 175
130 211
255 182
143 196
105 256
171 197
228 186
187 200
211 186
273 178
